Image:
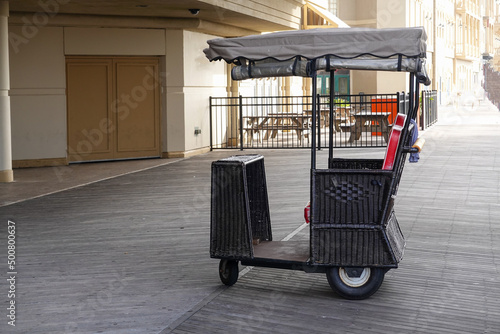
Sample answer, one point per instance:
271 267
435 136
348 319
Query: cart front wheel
228 271
355 283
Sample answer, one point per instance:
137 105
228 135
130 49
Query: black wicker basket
240 207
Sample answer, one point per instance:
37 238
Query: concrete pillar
6 174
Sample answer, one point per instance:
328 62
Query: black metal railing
428 109
363 120
260 122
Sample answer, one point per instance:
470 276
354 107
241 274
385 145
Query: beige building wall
375 14
350 13
488 30
38 51
190 80
38 94
391 14
495 62
469 47
38 86
444 47
113 41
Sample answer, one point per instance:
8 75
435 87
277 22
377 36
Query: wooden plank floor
130 254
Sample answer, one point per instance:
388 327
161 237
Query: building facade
102 80
91 80
461 38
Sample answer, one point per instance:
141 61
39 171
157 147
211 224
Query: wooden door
89 90
113 108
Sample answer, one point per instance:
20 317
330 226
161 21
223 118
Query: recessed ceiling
151 8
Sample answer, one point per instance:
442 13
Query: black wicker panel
351 247
395 236
240 207
230 232
349 198
348 226
258 200
338 163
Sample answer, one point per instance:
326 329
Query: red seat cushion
392 146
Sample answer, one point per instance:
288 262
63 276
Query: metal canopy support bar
318 115
331 106
314 120
313 141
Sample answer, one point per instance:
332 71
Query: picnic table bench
267 126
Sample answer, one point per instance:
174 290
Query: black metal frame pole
412 113
211 125
426 98
412 95
314 121
241 121
397 169
417 96
313 156
331 117
318 115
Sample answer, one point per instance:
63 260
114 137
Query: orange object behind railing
385 105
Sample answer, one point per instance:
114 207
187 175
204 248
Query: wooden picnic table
341 115
271 123
367 121
324 116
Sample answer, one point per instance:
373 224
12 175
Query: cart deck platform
291 251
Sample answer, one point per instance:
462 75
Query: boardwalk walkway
129 254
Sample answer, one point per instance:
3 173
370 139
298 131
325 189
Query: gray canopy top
302 52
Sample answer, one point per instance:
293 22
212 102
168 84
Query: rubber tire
228 271
347 291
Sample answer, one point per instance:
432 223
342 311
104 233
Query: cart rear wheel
228 271
355 283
